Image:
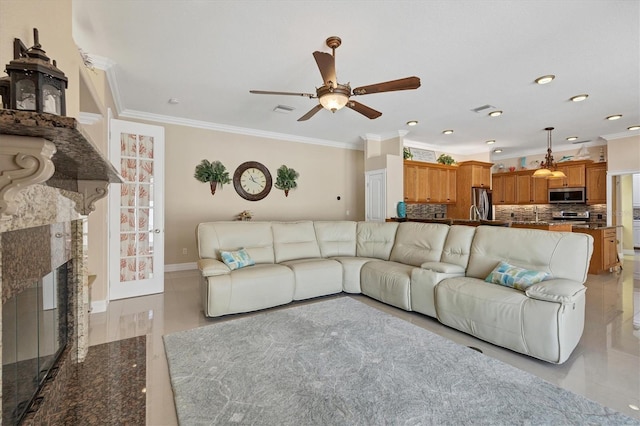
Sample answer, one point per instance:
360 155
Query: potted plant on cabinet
212 172
286 179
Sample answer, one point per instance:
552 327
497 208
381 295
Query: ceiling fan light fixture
332 98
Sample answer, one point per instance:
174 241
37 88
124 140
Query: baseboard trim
99 306
180 267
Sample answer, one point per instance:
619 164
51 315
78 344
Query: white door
136 210
375 195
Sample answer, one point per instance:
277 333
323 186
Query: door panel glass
136 206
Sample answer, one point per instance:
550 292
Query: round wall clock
252 181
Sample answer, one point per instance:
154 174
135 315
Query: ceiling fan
334 96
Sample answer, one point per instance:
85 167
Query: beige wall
325 174
624 155
626 211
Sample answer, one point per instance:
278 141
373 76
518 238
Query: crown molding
167 119
89 118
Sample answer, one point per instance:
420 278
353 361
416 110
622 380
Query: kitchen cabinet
469 174
596 181
530 190
544 226
504 188
605 249
575 172
636 190
429 183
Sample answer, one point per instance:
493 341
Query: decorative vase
402 209
213 187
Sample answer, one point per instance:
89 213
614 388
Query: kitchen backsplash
597 212
426 211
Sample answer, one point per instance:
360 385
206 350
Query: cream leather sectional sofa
435 269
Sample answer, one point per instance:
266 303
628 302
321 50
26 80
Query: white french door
136 210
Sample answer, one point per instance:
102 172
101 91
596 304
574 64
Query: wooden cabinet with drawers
605 249
575 172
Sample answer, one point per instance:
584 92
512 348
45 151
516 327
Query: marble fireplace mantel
46 148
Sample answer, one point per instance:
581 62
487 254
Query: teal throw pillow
514 277
236 259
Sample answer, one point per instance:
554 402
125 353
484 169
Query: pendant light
548 168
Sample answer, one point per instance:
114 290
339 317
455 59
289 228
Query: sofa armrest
444 268
556 290
212 267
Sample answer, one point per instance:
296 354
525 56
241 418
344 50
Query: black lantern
35 84
4 92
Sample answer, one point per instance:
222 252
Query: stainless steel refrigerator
481 204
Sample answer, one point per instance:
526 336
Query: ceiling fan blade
364 110
268 92
327 65
389 86
311 113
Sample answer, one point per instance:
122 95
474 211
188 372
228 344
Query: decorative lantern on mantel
35 84
4 92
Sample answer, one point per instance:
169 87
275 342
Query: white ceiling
209 54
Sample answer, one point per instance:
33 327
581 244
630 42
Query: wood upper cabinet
410 183
530 190
479 174
596 178
469 174
575 172
429 183
504 188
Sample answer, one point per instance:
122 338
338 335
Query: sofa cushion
417 243
315 277
514 277
457 246
255 237
560 254
236 259
375 239
351 267
294 240
388 282
336 238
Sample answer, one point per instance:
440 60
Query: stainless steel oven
567 195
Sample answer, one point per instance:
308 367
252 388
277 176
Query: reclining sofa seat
547 320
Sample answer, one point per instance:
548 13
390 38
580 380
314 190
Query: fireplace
35 314
51 174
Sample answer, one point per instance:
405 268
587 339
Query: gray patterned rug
341 362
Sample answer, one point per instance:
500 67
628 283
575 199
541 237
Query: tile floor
605 366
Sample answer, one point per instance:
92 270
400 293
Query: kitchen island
556 226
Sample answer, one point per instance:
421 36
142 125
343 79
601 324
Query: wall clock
252 181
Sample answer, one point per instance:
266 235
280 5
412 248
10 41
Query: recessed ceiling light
412 123
634 127
174 101
579 98
495 113
545 79
572 138
497 150
634 407
491 142
614 117
447 132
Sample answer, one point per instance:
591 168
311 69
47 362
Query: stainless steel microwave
567 195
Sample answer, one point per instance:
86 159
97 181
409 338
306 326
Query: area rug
342 362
